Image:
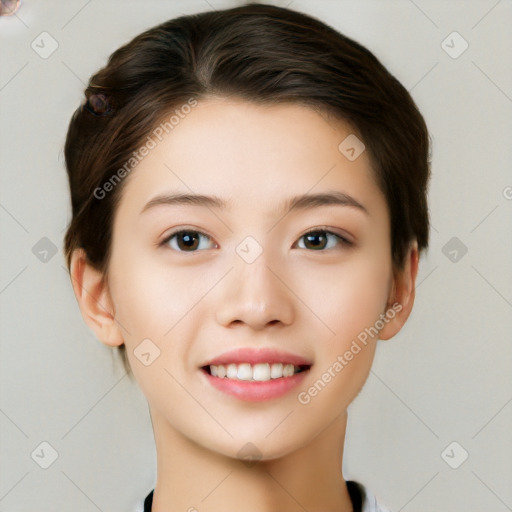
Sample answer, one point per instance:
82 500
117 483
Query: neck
192 478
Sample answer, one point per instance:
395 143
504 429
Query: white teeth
288 370
231 371
259 372
244 371
276 370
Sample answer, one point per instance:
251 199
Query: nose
256 295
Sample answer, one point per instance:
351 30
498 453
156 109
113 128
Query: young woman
249 196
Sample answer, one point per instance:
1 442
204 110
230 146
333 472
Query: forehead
252 156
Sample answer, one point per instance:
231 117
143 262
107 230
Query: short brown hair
260 53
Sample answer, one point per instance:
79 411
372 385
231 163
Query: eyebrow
301 202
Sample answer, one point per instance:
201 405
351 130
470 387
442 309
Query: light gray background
446 377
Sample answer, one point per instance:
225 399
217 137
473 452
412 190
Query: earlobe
91 291
402 294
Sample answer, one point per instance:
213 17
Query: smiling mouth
260 372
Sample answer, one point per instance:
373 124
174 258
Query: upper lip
255 356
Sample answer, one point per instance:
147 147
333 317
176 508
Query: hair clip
98 105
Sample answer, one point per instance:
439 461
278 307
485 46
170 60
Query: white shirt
371 505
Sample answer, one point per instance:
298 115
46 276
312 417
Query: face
278 297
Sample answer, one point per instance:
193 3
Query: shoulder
363 499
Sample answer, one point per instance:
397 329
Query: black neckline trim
355 491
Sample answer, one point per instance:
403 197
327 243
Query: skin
294 297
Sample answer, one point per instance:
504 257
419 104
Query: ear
91 291
402 293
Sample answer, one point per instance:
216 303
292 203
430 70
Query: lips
256 375
255 356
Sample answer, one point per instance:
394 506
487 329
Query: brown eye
315 240
185 240
318 240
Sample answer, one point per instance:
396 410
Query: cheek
137 299
347 298
349 301
148 295
152 304
156 302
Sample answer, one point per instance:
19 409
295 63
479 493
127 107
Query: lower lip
256 391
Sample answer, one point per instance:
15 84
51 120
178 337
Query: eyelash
343 241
